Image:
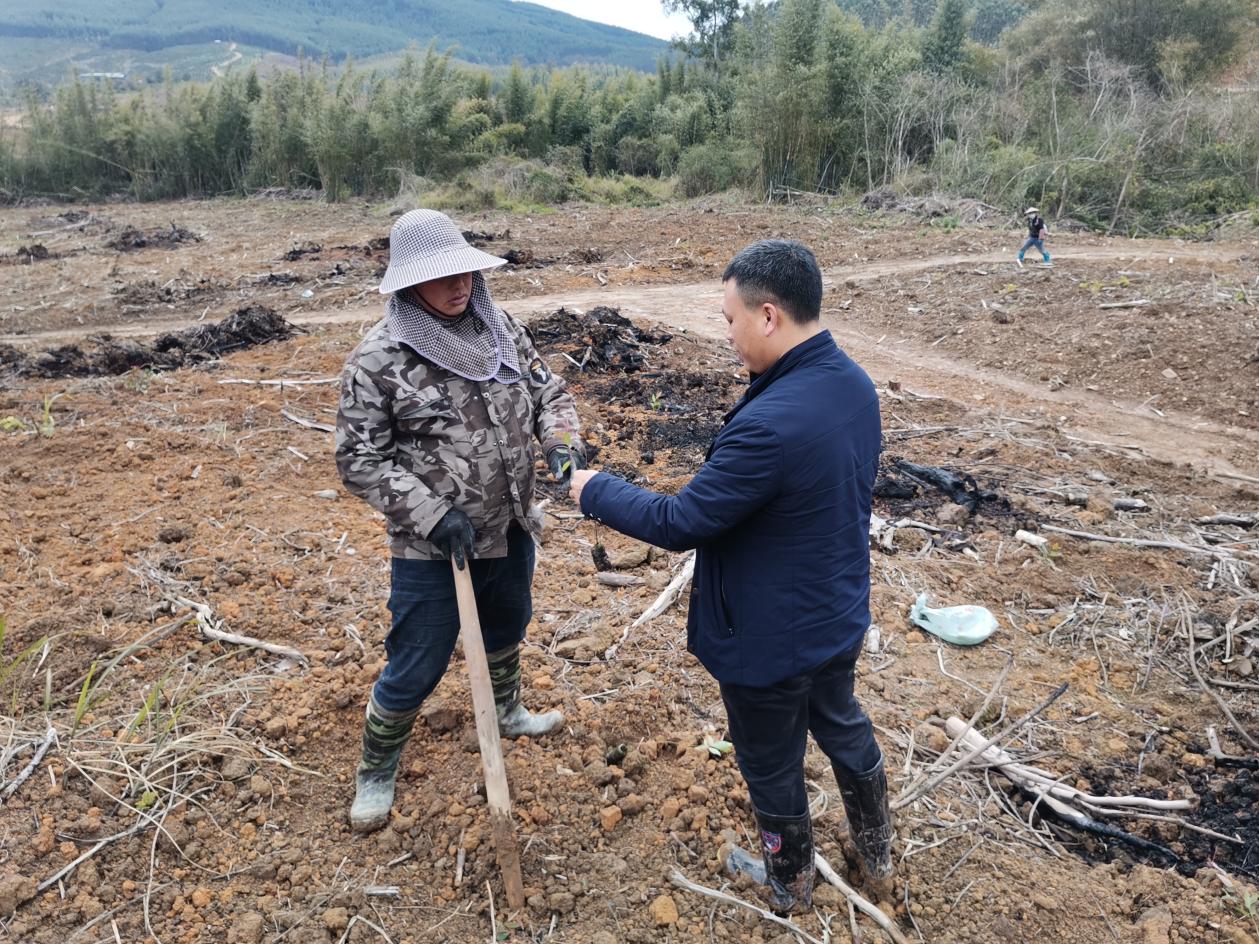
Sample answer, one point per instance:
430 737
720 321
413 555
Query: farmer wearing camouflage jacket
440 405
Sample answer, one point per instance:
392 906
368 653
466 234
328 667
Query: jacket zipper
725 607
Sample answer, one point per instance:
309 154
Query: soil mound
245 328
132 239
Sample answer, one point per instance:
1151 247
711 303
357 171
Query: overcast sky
642 16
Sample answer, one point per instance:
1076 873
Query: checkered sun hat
426 245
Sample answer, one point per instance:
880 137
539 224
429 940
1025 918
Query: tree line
1112 112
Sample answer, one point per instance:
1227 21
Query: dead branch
61 229
610 579
309 424
909 797
11 787
70 867
1225 760
1135 303
861 904
661 603
992 692
208 626
359 919
1145 542
1241 521
1229 683
681 881
1037 780
1237 476
1187 623
1086 823
1027 537
1160 818
280 383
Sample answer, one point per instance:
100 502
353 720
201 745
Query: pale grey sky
642 16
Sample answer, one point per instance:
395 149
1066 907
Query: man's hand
580 478
564 462
455 535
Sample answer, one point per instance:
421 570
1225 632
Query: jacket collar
804 352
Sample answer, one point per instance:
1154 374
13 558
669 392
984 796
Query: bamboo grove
1123 115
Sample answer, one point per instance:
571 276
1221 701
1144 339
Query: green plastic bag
960 625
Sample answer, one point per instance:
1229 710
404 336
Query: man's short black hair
781 271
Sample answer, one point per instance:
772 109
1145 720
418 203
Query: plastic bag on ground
960 625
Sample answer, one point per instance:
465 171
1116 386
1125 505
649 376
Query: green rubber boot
514 720
786 866
385 733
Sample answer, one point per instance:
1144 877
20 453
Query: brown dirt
119 492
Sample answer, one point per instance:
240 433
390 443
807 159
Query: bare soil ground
207 783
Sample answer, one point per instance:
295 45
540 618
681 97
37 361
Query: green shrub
708 168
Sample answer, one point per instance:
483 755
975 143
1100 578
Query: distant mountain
39 37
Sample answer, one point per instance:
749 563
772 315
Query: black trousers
768 727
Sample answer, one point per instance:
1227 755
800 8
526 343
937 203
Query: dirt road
1125 425
1128 426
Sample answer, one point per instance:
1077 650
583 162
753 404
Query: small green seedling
10 667
11 424
656 401
48 425
568 441
139 380
85 699
147 799
1246 904
149 706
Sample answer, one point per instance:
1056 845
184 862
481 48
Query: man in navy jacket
779 514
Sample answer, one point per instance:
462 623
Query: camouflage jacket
415 440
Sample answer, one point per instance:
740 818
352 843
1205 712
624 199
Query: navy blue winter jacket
780 514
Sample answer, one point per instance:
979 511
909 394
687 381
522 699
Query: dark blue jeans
426 617
768 727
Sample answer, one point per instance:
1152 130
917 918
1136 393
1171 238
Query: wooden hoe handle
506 848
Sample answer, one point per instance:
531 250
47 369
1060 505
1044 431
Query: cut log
612 579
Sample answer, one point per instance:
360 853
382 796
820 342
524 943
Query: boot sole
370 825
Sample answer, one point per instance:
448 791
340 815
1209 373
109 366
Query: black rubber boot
869 818
385 733
786 866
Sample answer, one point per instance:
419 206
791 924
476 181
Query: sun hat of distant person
426 245
1028 212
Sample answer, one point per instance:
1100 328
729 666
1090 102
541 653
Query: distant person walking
1036 233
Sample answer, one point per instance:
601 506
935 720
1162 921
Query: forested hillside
1110 112
485 31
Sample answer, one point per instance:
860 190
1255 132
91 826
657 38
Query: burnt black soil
901 490
246 328
133 240
669 416
1228 803
598 341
